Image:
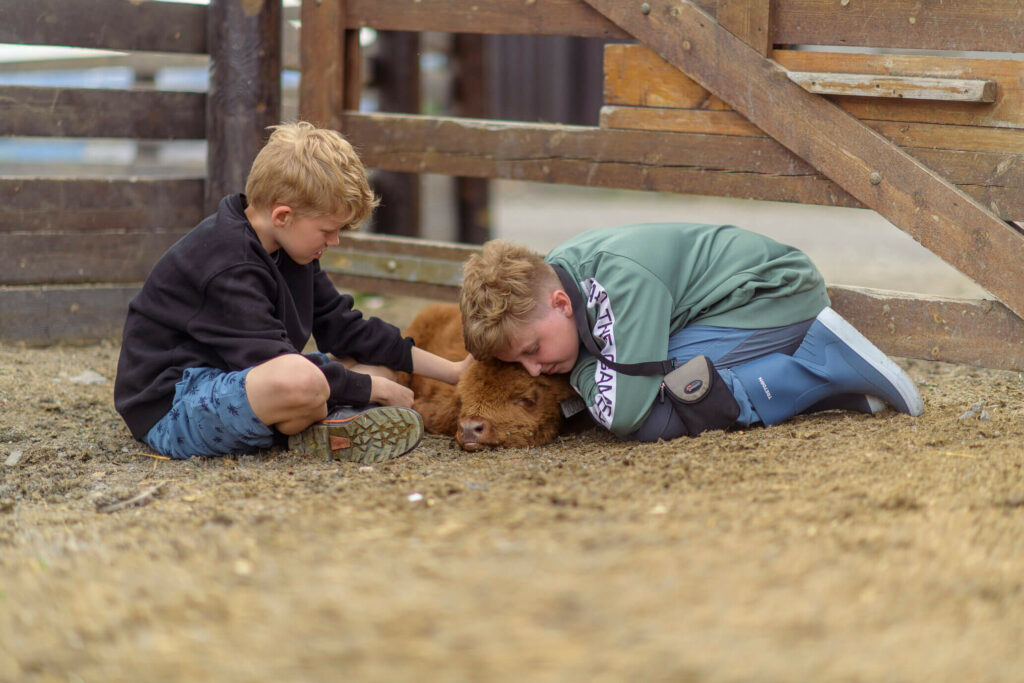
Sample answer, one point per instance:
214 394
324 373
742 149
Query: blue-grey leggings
726 347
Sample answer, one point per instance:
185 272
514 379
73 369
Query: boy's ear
280 215
560 301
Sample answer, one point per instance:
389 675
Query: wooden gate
705 99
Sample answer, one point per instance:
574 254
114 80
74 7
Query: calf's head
502 405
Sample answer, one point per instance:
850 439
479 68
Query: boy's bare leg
288 392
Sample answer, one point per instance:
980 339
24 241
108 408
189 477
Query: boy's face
549 344
306 237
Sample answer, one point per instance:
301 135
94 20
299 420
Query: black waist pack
696 390
700 397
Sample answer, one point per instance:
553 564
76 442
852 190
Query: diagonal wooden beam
934 212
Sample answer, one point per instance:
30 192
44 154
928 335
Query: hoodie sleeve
237 322
342 330
630 310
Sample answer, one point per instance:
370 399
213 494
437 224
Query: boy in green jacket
734 326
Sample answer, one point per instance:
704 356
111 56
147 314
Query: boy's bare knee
286 383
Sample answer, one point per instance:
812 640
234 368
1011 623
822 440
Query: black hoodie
218 299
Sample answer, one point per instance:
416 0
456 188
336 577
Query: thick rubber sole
374 435
871 355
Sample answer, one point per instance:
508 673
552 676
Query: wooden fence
703 99
703 102
75 248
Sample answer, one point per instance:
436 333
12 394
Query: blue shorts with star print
210 415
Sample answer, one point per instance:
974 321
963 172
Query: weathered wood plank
549 17
982 333
81 257
945 220
1003 141
92 112
986 163
583 155
732 166
322 52
244 96
636 75
397 265
748 20
110 24
62 205
986 25
73 314
900 87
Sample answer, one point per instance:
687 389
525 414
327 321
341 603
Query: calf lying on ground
494 404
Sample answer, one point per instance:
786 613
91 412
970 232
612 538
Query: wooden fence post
470 98
397 77
244 95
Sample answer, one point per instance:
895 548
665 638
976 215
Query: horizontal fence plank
749 168
81 257
56 205
994 175
636 76
985 25
1008 141
106 24
349 282
93 112
899 87
982 333
74 314
547 17
718 165
409 267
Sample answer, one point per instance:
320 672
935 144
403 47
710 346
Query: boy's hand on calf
386 392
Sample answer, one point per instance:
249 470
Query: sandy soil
835 547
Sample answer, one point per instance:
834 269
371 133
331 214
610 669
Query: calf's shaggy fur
494 403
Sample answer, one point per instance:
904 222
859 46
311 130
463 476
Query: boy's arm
633 311
341 330
431 365
237 321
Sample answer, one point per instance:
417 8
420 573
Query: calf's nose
475 433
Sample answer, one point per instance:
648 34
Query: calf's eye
525 402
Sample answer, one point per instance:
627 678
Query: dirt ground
834 547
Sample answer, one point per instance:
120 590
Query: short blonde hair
501 288
315 171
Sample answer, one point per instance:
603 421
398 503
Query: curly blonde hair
501 288
315 171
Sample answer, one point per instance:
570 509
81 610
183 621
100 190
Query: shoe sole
871 354
374 435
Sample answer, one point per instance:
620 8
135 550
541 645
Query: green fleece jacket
643 283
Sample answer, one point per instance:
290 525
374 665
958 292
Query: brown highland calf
494 404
